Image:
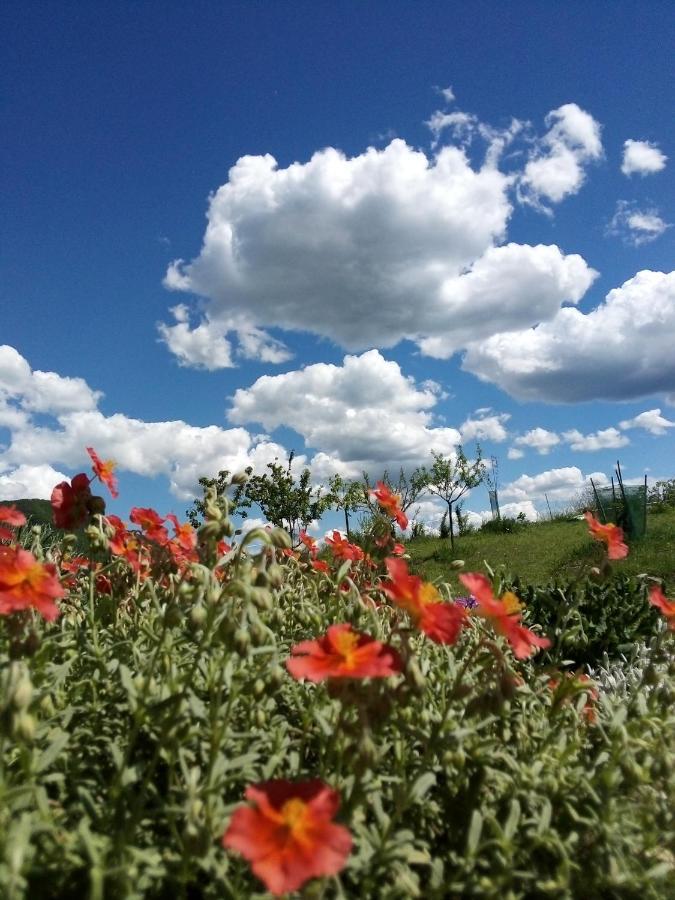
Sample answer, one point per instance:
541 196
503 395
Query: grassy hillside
545 550
38 512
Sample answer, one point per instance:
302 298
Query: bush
504 525
132 725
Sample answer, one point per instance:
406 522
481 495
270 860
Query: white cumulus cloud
642 158
538 439
366 251
28 482
485 427
556 167
621 349
556 484
604 439
651 420
362 414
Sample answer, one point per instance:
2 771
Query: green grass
545 550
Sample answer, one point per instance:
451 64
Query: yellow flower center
294 816
345 644
511 603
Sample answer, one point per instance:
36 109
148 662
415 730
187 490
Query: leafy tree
285 502
450 477
346 495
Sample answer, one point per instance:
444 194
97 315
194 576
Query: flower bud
24 726
280 539
198 616
258 687
23 692
242 641
275 575
457 564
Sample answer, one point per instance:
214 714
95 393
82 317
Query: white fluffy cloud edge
397 244
393 244
363 415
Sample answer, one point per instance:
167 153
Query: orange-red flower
610 534
288 834
103 469
10 515
185 535
310 543
342 549
25 583
390 503
320 565
151 522
441 622
658 599
343 653
504 615
71 503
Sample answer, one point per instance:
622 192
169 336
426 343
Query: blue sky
427 223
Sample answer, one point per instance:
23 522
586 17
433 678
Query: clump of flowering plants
185 716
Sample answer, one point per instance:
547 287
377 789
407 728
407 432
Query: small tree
346 495
451 477
285 502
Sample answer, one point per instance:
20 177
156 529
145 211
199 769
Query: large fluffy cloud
621 349
363 414
367 251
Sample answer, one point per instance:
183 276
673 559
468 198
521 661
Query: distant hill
38 512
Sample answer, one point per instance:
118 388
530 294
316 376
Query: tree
450 477
285 502
346 495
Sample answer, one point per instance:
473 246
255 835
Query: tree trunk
347 524
452 530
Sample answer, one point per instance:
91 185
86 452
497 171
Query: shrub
504 525
132 725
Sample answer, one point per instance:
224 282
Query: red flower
343 653
104 471
612 535
25 582
185 536
504 615
11 516
320 565
441 622
390 503
151 522
398 549
71 503
658 599
310 543
342 549
288 835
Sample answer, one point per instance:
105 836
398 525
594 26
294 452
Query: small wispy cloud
636 226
